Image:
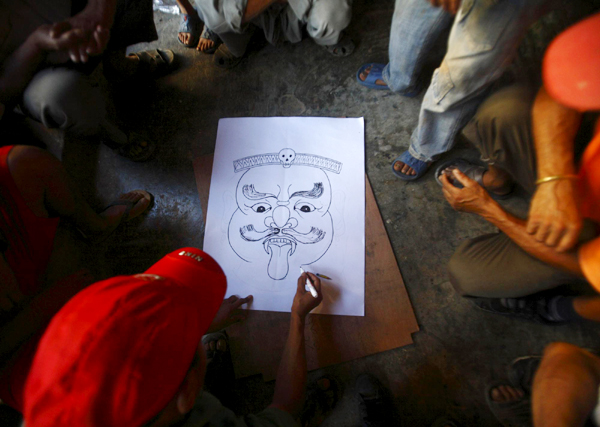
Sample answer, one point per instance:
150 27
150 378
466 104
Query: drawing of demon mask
283 218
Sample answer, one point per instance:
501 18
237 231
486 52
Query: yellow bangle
555 178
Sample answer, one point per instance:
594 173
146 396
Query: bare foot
404 168
205 44
214 346
365 73
186 39
506 394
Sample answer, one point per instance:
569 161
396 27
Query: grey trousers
325 21
492 265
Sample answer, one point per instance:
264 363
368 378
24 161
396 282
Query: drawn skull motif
287 157
282 219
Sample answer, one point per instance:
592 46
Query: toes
398 166
222 345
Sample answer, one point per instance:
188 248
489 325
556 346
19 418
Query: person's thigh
501 131
493 266
65 99
483 41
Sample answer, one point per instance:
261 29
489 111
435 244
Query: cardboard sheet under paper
287 192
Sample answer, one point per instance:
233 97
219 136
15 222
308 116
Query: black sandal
321 397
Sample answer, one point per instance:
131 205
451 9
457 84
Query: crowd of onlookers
143 350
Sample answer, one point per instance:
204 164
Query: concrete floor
458 350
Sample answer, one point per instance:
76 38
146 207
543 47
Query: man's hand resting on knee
554 216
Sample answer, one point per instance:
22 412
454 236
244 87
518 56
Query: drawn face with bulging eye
282 222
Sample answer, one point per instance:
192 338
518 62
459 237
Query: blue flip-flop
375 74
419 166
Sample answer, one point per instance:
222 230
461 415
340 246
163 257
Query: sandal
225 59
473 171
220 376
419 166
154 63
130 213
516 413
138 148
342 48
522 370
375 74
321 397
532 308
189 24
214 37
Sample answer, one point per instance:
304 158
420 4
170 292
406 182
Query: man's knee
327 19
506 112
64 99
561 352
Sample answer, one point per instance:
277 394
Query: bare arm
565 387
291 377
18 69
554 217
473 198
256 7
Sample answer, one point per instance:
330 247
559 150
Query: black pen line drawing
282 220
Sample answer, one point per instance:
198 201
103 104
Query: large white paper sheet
287 192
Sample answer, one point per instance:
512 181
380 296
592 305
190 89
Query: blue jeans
483 41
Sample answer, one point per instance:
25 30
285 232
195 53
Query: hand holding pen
304 301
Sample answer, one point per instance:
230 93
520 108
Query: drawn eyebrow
250 193
315 193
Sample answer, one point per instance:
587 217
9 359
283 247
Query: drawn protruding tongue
278 263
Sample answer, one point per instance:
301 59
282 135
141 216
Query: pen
309 285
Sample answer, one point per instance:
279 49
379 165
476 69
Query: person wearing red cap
38 259
126 352
559 242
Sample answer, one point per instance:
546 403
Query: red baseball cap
119 350
571 68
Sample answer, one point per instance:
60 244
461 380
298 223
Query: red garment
119 350
30 238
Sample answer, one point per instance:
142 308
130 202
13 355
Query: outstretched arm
554 217
291 376
18 69
473 198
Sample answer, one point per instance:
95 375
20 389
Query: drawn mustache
250 234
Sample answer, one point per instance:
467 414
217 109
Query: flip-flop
154 63
212 36
473 171
125 217
522 370
189 24
138 149
342 48
510 414
129 204
225 59
419 166
375 74
322 395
